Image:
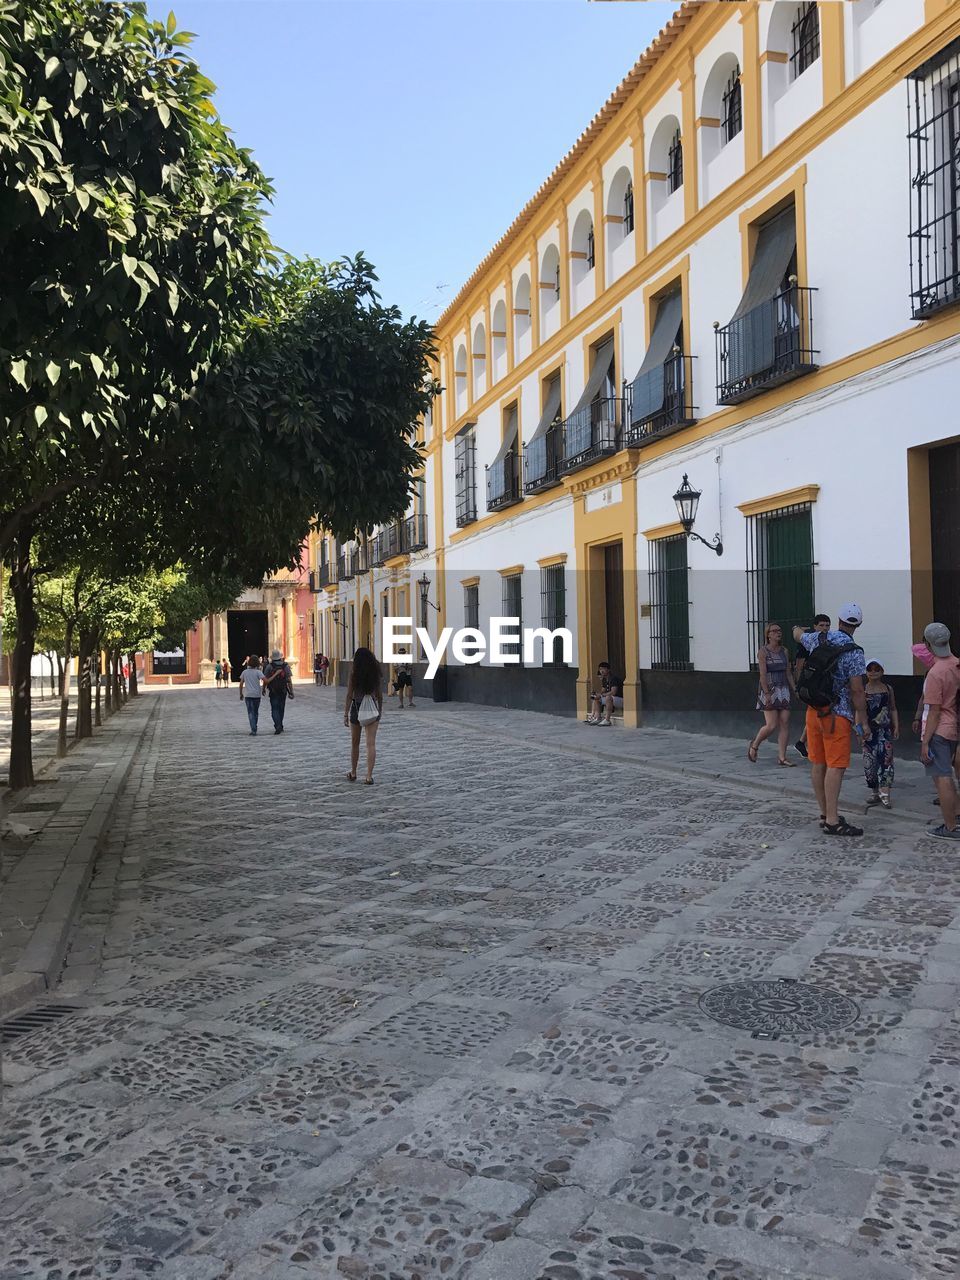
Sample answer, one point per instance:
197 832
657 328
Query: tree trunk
121 683
21 586
107 685
98 676
84 679
59 657
64 665
133 685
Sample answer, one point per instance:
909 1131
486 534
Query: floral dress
878 752
777 682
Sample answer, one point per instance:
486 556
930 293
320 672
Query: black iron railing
593 432
348 568
806 38
677 408
503 482
328 574
393 539
541 460
769 344
377 551
414 536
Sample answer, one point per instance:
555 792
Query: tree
132 242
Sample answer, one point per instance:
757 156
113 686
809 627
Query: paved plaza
474 1021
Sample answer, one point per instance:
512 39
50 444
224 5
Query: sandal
752 752
351 777
823 819
368 782
786 764
843 828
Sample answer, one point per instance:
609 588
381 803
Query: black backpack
815 685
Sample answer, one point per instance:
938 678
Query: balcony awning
602 360
752 329
648 384
550 410
509 437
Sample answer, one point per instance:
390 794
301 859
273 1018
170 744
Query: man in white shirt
251 691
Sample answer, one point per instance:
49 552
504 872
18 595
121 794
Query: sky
413 130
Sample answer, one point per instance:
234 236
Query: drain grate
780 1006
35 1020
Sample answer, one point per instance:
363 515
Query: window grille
471 606
553 603
591 250
934 134
465 471
628 213
513 607
675 164
733 107
557 285
669 605
806 38
780 569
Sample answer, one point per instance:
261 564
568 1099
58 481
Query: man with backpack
278 683
831 684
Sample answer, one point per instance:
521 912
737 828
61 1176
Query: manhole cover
772 1007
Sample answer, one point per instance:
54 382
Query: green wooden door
788 564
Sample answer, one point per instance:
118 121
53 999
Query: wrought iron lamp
335 614
688 500
424 585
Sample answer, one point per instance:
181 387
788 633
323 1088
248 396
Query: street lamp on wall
424 585
688 500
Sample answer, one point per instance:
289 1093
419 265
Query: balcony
346 567
392 537
378 550
503 482
768 345
327 574
541 461
414 533
676 409
593 432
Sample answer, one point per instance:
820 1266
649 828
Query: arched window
628 216
806 38
732 118
675 164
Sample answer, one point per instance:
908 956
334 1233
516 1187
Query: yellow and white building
746 271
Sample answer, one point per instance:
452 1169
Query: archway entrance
366 626
246 634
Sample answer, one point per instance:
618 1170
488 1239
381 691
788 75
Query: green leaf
79 83
52 67
39 414
129 264
163 111
171 23
40 198
173 297
148 271
97 363
52 370
18 372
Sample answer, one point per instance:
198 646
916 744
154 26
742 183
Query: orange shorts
828 739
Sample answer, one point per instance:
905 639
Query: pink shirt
940 688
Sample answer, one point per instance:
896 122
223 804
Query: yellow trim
654 175
575 253
793 190
599 233
613 217
563 232
921 540
707 122
549 561
498 333
789 498
772 55
688 140
750 85
663 531
398 561
639 192
471 582
831 49
511 571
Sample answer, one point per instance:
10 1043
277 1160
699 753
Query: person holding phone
607 699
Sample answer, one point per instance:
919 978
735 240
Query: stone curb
39 963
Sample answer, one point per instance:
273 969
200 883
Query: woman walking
885 730
251 691
364 697
226 673
775 694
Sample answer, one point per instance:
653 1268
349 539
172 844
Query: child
884 730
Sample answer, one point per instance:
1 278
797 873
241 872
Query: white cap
851 614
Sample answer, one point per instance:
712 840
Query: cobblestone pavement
451 1025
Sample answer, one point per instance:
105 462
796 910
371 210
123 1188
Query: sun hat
276 655
937 637
851 614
